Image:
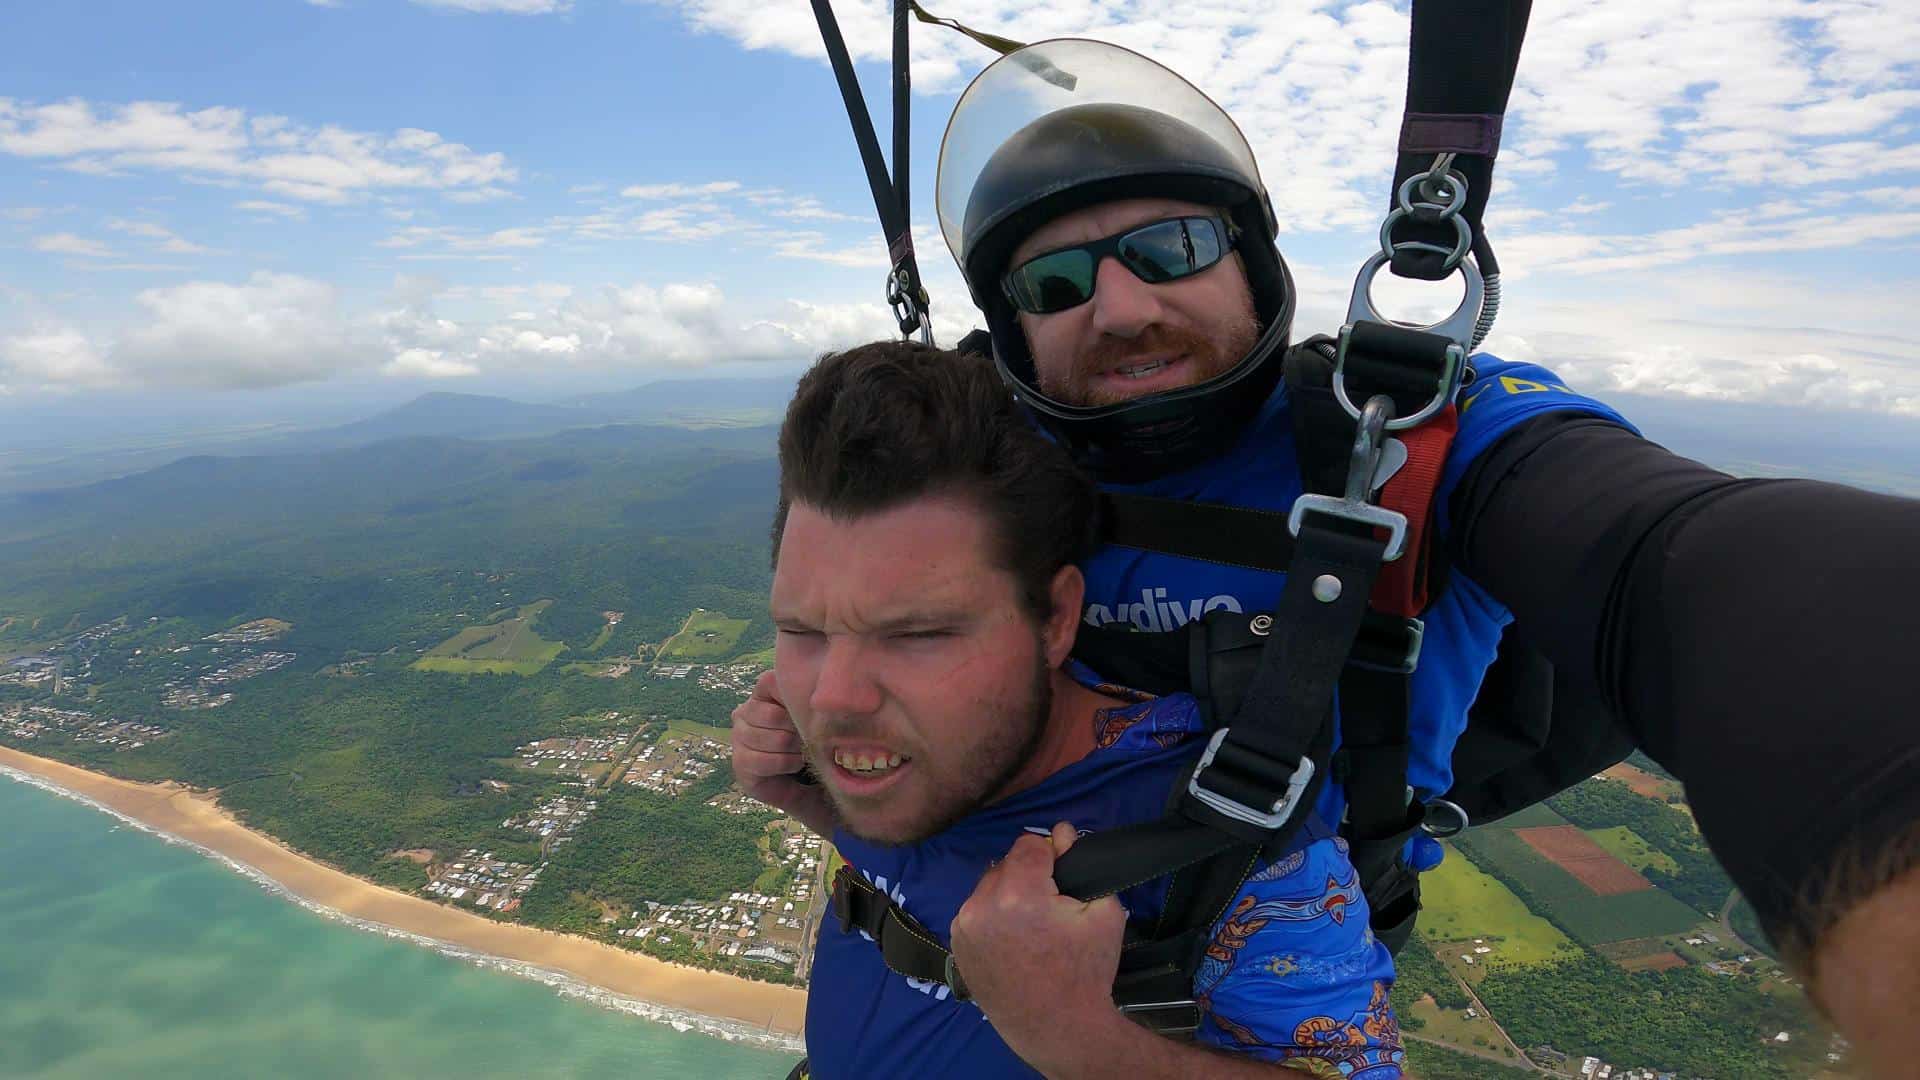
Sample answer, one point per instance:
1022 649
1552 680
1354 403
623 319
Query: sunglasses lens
1052 282
1169 250
1160 252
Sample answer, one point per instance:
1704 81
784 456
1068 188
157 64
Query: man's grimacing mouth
868 763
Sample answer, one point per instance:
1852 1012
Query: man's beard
1210 357
1013 734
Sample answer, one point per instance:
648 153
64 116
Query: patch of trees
1601 803
644 846
1417 971
1686 1020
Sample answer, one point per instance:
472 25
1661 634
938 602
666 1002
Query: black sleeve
1758 637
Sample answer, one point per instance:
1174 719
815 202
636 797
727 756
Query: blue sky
377 197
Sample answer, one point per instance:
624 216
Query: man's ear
1067 592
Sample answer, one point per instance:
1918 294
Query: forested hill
621 518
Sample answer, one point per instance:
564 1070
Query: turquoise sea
124 955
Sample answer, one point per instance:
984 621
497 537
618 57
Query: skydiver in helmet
1115 233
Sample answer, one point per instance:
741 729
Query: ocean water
124 955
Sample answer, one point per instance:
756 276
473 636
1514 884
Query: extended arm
1753 634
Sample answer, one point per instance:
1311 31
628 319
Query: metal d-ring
1441 832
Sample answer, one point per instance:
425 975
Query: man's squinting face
914 676
1133 338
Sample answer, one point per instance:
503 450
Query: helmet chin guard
1063 125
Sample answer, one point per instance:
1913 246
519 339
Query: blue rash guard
1292 971
1157 592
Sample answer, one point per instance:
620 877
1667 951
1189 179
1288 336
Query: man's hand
767 755
1039 964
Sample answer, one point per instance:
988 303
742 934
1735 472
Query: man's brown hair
883 424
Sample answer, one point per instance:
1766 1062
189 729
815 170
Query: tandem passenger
926 597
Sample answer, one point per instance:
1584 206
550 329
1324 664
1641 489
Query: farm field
1643 782
1576 853
506 647
1627 846
1537 816
1590 918
1461 902
708 635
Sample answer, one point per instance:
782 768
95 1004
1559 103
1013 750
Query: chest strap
906 947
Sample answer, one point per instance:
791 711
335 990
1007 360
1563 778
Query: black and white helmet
1065 124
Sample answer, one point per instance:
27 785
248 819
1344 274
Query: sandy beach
196 817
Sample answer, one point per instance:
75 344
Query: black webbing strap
890 198
1214 532
1462 55
1285 718
905 946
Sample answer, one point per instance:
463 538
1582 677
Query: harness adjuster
1388 643
1274 816
951 976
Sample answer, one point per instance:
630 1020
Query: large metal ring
1453 810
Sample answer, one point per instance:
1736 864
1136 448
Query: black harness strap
905 946
1462 55
1231 535
890 193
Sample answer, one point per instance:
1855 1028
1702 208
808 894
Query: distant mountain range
1874 451
696 403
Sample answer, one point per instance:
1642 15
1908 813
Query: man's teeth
1139 370
866 762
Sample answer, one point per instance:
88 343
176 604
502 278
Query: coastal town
577 790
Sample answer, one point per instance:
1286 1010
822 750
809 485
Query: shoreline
716 1004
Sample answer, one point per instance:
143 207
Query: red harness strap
1402 586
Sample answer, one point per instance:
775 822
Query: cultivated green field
1539 815
1624 844
708 635
1591 919
505 647
1459 901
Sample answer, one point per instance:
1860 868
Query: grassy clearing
1452 1027
708 636
507 646
1626 845
1461 902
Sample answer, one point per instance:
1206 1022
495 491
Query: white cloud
460 241
326 164
58 358
679 191
164 239
274 330
427 364
69 244
282 210
502 7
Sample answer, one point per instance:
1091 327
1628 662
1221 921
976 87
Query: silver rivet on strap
1326 588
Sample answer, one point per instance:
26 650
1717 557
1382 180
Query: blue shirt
1157 592
1292 970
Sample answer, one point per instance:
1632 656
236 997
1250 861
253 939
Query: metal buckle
908 310
1456 328
1409 659
1368 441
1273 817
951 976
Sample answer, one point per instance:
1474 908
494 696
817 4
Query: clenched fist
768 755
